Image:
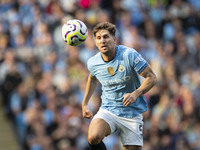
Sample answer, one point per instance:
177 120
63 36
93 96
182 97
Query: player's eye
106 36
98 37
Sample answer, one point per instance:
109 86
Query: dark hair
105 26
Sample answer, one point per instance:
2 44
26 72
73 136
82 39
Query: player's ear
115 39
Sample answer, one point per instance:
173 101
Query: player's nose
102 40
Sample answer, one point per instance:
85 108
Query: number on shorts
140 129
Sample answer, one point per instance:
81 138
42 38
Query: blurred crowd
43 81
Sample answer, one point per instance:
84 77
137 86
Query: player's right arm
92 83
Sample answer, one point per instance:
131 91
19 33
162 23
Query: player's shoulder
126 51
94 59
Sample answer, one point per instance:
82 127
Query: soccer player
117 68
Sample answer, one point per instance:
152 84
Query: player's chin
104 51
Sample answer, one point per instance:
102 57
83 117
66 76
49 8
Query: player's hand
86 112
129 98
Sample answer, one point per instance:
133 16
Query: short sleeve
90 68
137 61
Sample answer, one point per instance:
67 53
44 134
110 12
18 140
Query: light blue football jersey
118 77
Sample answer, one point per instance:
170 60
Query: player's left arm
147 84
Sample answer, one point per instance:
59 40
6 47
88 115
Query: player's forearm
147 84
90 87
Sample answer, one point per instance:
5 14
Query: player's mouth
103 47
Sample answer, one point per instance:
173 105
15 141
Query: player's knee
94 139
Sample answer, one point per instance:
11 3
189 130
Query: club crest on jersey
121 68
110 70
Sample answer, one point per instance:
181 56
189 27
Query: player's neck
109 56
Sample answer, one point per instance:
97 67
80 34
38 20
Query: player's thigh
98 128
132 147
131 132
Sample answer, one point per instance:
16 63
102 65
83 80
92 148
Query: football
74 32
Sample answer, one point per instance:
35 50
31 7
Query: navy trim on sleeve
143 67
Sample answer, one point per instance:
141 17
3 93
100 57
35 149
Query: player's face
105 41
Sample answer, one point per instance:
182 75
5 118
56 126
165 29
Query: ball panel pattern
74 32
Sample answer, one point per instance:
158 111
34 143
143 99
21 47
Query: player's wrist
137 93
84 105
